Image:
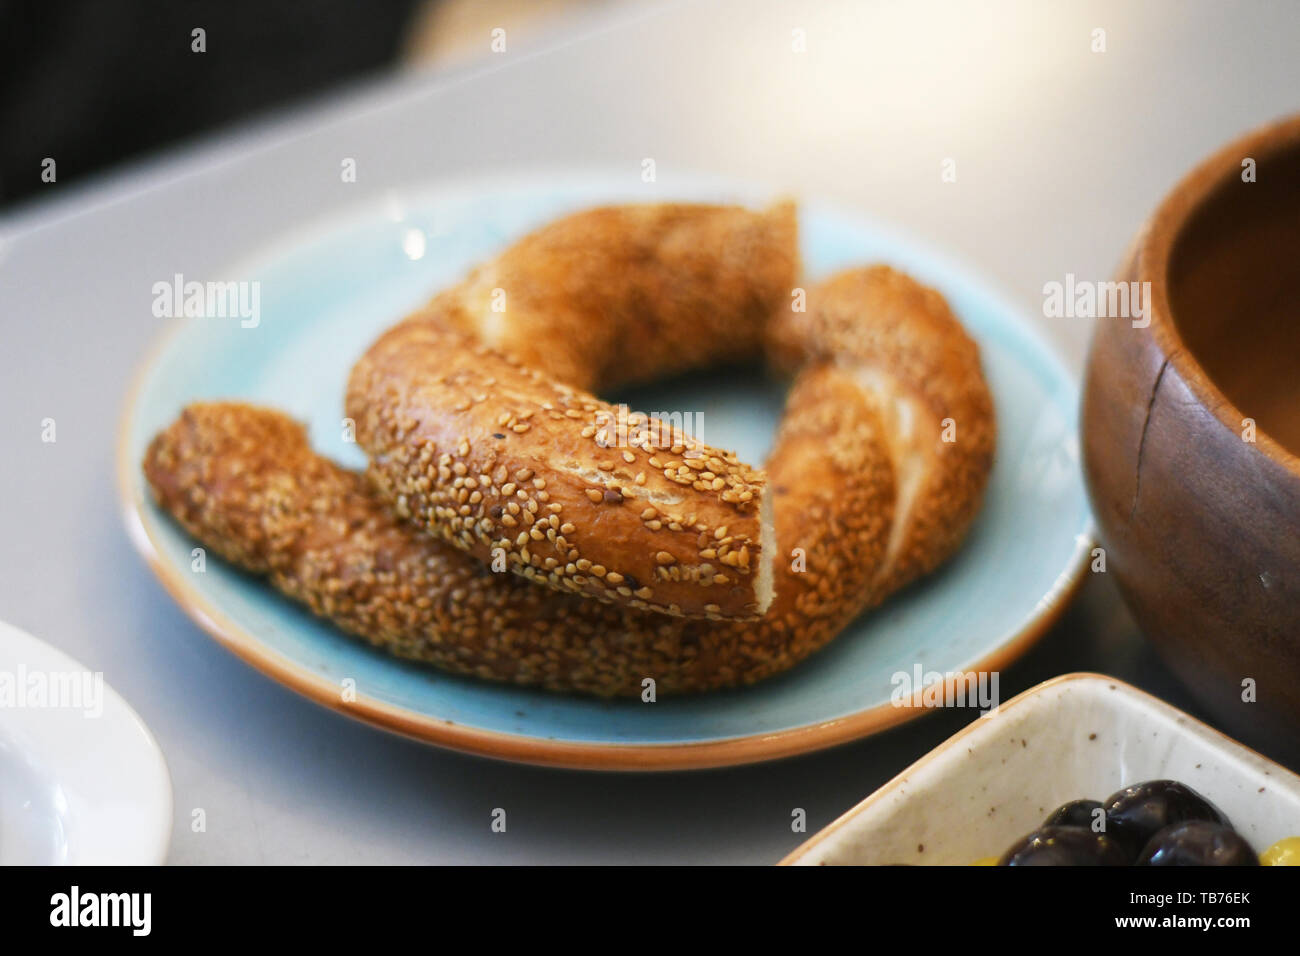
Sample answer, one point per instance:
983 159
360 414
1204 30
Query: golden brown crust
514 468
245 482
903 344
616 295
471 434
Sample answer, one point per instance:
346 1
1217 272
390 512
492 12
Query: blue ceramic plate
327 292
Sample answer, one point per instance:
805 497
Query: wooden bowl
1191 430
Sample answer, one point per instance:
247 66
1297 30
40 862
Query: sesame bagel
877 471
479 425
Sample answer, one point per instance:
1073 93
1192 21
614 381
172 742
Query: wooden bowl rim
1156 244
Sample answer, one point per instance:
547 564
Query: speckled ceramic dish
1080 736
326 293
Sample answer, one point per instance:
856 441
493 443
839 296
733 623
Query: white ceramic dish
1075 736
82 780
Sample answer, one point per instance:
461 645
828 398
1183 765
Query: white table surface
1060 154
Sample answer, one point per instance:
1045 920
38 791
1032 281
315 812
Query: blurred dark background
91 83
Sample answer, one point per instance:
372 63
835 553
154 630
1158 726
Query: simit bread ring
478 427
245 482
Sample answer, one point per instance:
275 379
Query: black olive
1076 813
1083 813
1066 846
1198 843
1135 814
